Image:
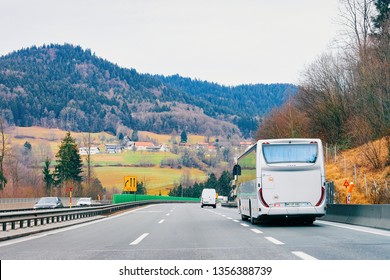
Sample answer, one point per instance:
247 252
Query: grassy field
155 179
353 166
111 168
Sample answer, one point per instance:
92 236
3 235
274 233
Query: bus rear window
286 153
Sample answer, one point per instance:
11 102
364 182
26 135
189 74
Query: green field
112 168
155 179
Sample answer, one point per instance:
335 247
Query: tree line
222 185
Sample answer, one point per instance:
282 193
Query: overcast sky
229 42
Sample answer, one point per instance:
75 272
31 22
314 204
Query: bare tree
323 97
356 19
285 122
3 180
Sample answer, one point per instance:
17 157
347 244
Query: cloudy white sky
224 41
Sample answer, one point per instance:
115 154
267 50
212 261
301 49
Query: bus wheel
253 221
309 221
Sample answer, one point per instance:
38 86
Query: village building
143 146
93 150
159 148
113 148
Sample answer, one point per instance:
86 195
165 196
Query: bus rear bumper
292 213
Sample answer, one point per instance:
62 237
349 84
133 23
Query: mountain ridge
68 87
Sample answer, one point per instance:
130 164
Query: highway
188 232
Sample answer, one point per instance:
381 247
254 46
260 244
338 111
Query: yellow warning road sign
130 184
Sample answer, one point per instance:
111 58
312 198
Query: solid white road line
273 240
256 230
303 255
356 228
139 239
160 222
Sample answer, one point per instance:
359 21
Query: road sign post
130 185
70 189
347 197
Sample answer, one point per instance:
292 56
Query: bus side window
237 170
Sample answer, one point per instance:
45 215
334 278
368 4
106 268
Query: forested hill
68 87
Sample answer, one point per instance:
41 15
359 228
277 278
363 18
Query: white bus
281 179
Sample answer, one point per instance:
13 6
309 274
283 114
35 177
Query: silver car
48 203
84 201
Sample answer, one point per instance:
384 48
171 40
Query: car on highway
84 201
48 203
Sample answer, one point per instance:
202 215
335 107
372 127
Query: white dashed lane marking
139 239
303 255
244 225
273 240
299 254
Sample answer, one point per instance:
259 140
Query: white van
209 198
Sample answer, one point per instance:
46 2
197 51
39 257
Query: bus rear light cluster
322 196
262 198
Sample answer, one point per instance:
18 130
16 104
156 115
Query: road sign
346 183
130 184
350 187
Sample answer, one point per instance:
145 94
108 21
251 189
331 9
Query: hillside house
113 148
160 148
93 151
202 145
246 144
143 146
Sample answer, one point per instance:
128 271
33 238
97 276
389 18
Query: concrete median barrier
373 215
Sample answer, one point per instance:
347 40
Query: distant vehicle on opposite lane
48 203
84 201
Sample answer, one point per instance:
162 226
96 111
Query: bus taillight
322 196
262 198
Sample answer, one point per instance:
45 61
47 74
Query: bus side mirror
236 170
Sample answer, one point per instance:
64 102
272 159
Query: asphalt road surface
189 232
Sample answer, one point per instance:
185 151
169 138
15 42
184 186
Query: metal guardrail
21 219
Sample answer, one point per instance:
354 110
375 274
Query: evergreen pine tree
69 164
47 177
183 137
